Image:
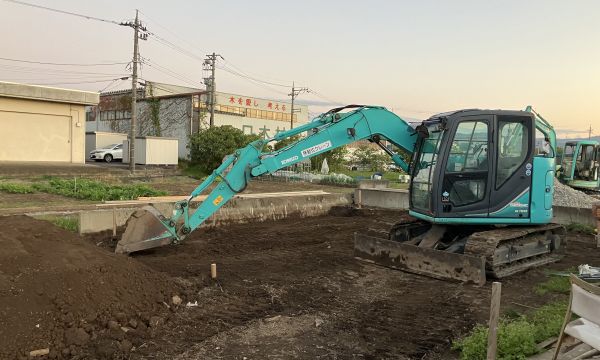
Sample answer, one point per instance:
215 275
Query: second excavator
480 191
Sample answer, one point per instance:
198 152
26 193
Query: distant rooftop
44 93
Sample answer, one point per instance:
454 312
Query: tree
287 141
335 159
370 158
210 146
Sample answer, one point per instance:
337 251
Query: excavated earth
285 289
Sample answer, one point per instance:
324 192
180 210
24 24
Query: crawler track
463 253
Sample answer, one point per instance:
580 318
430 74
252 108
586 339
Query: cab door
466 175
511 189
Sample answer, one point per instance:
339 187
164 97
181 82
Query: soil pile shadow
60 292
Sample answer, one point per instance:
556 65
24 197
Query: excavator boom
333 129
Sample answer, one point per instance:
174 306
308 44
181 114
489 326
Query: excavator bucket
144 230
420 260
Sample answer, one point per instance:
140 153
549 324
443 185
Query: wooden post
596 212
114 222
213 271
494 317
359 200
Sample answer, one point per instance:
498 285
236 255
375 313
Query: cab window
513 147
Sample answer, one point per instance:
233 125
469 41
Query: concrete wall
97 139
35 130
238 210
383 198
568 215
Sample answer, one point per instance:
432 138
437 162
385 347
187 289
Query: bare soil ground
12 201
286 289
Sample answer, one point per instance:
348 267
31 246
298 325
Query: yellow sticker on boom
218 200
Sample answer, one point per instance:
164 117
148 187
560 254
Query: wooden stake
114 222
40 352
494 317
213 271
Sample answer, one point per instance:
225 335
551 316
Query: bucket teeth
144 230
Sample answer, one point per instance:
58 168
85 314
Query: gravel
567 196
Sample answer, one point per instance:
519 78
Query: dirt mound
60 292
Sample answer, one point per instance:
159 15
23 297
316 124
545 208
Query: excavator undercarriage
464 253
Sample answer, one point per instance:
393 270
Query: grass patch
581 228
190 170
517 338
16 188
94 190
557 284
65 222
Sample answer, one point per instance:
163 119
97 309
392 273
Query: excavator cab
580 165
472 171
482 165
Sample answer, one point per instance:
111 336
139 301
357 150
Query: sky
417 58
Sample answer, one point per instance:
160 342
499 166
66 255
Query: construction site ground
286 289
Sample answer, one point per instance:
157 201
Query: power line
247 73
312 91
112 84
169 72
47 71
231 71
175 47
78 82
172 32
88 17
62 64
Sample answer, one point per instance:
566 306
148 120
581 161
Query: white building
174 111
256 115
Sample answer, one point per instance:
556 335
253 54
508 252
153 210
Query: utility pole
590 132
295 92
137 27
210 64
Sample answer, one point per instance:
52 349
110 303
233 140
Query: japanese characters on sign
261 104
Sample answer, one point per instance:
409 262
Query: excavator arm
148 228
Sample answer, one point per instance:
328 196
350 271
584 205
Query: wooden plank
494 317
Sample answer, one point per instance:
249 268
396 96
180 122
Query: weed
581 228
193 171
557 284
95 190
15 188
548 320
274 293
517 338
67 222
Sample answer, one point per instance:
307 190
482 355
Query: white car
108 153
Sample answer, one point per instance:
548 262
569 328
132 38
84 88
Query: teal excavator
580 165
480 190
